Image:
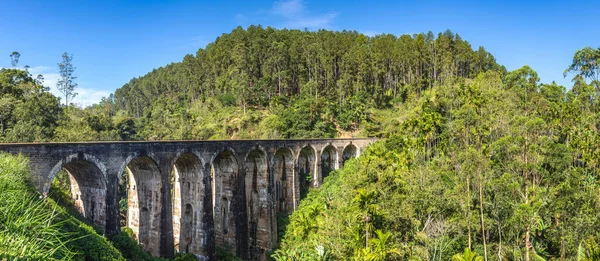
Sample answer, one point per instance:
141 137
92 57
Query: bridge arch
144 194
284 182
188 203
87 184
257 202
307 175
349 152
329 161
224 175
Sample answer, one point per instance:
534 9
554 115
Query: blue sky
114 41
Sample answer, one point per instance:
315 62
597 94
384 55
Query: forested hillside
271 83
503 166
254 83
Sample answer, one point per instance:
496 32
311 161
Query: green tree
588 250
586 63
126 129
467 255
14 59
7 105
66 85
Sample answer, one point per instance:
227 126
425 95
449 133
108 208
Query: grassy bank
33 228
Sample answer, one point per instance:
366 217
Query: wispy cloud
295 14
370 33
86 96
289 8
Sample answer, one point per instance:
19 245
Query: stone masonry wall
192 196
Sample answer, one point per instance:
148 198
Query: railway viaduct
191 196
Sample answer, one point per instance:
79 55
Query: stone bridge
191 196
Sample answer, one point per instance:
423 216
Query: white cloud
85 97
295 15
370 33
320 21
288 8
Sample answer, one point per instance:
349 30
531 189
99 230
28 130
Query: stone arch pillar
88 184
188 205
224 176
259 207
283 180
145 199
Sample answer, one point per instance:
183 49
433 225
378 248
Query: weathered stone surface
192 196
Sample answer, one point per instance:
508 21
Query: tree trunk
469 208
367 232
499 241
527 235
482 223
562 250
279 81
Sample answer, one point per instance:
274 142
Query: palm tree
468 255
366 203
588 250
379 249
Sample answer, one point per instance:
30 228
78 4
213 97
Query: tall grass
35 228
29 227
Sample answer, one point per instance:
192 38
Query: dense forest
501 166
475 162
334 78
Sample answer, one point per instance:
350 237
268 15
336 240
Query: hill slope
290 83
32 228
504 166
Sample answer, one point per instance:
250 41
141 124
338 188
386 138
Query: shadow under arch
349 152
283 181
307 158
144 193
329 161
224 175
87 185
259 214
188 204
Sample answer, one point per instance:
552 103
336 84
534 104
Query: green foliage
185 257
328 224
38 229
28 111
251 83
227 99
303 84
66 85
500 167
307 118
130 248
468 255
223 254
588 250
28 225
586 63
126 129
